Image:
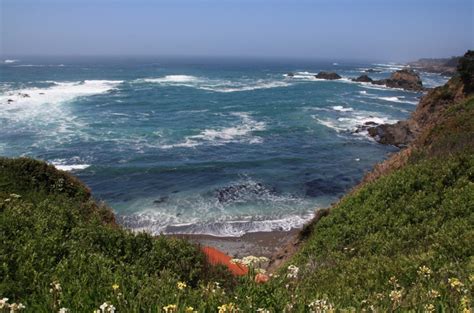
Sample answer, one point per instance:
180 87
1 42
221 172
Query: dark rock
41 93
10 100
371 70
363 79
24 95
399 134
290 74
405 79
328 75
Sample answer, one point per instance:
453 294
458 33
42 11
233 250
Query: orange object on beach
215 257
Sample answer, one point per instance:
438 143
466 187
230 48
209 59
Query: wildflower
55 287
292 272
181 285
455 284
424 271
115 286
261 278
319 306
263 310
190 309
106 307
4 303
465 304
14 307
170 308
429 308
395 295
433 294
63 310
229 307
14 195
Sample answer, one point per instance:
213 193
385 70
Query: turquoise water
219 147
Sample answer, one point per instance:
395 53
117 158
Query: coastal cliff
401 240
430 108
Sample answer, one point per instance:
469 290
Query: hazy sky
338 29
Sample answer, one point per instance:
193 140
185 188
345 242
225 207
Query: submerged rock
371 70
243 191
363 79
320 187
328 75
290 74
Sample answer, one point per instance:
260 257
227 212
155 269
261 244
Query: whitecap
342 109
9 61
241 132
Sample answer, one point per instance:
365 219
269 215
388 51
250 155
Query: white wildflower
292 271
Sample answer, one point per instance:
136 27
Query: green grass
367 252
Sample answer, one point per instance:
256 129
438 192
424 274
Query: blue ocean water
208 146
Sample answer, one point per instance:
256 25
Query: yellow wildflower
170 308
115 286
455 283
229 307
190 309
181 285
424 271
395 296
429 308
433 294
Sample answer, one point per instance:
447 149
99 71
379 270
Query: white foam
9 61
242 132
350 123
30 102
342 109
172 79
215 85
72 167
395 99
69 164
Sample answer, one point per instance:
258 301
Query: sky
399 30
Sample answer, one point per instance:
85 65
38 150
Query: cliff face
430 108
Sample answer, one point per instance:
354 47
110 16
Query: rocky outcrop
327 75
430 108
363 79
371 70
405 79
445 67
290 74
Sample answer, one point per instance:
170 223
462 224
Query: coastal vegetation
403 240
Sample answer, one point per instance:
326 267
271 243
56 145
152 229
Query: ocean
201 146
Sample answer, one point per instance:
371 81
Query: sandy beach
258 243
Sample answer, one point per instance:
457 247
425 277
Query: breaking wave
241 132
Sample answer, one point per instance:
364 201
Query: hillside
401 240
